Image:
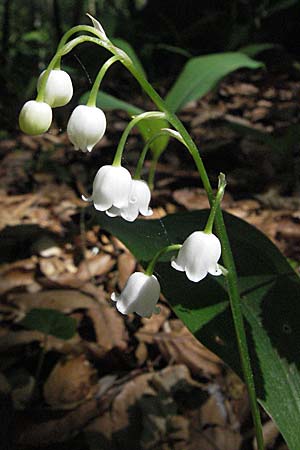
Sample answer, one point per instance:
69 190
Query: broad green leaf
270 291
124 45
201 74
109 102
253 49
50 321
147 127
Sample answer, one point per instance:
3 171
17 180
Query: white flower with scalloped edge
111 188
139 200
199 256
140 295
35 117
86 127
58 89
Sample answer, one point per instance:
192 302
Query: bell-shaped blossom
35 117
199 256
139 200
140 295
59 88
111 188
86 127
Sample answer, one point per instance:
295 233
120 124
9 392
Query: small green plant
243 309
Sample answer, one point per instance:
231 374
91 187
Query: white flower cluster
198 256
86 125
116 193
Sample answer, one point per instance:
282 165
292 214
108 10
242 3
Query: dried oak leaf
126 265
180 346
64 300
71 382
144 413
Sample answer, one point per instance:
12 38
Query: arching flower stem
216 204
232 280
146 115
95 88
163 132
170 248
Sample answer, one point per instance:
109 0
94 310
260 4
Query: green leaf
147 127
109 102
254 49
270 291
124 45
50 321
201 74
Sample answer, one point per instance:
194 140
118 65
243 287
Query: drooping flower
86 127
199 256
140 295
59 88
111 188
139 200
35 117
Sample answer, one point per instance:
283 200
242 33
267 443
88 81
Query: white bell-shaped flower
140 295
111 188
139 200
199 256
59 88
35 117
86 127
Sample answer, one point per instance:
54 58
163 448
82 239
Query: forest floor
126 382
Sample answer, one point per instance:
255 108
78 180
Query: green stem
163 132
159 254
94 91
216 204
63 50
232 280
146 115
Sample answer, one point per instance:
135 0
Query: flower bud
86 127
59 88
140 295
35 117
199 256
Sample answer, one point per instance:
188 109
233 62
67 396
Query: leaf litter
124 381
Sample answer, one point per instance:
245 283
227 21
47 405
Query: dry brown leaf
126 266
71 382
180 346
62 271
16 278
152 325
64 300
196 198
146 401
11 339
109 328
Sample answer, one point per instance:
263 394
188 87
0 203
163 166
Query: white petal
199 255
35 117
86 126
140 295
59 88
111 188
215 270
176 266
113 212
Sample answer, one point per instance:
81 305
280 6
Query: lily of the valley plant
120 193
